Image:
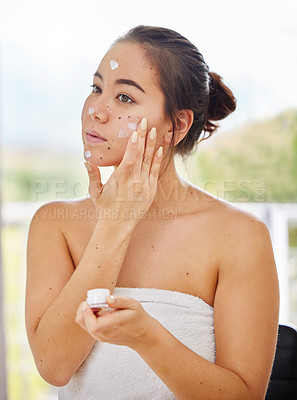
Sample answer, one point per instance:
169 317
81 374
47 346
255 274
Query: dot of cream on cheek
127 128
132 126
123 133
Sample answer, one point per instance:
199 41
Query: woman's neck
172 196
172 190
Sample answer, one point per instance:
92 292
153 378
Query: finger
155 169
142 133
79 319
89 321
95 184
149 153
122 302
91 324
129 157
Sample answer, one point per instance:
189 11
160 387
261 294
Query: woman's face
125 90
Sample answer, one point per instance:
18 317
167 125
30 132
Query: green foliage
42 175
293 237
256 163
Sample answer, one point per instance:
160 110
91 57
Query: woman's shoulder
230 224
243 238
239 221
59 212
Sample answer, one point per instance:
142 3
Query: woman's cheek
126 124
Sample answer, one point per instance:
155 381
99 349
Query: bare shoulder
227 216
235 233
62 212
48 252
242 229
243 240
233 216
238 221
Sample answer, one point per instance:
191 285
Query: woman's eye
124 98
96 89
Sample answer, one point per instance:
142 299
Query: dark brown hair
186 82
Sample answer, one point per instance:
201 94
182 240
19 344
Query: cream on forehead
113 64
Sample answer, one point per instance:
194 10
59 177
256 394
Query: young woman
194 283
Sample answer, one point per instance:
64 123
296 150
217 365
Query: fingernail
111 299
143 124
153 133
160 151
88 166
84 307
134 137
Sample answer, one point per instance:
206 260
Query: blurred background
49 52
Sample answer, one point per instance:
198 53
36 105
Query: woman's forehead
127 58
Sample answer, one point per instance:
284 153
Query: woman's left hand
128 324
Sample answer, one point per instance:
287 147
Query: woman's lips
94 137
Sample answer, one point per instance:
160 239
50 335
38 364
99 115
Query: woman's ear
183 124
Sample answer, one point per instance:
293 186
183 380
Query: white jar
96 300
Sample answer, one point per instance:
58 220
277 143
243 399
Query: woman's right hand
131 188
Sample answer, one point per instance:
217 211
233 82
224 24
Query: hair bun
221 102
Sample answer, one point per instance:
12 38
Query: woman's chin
100 160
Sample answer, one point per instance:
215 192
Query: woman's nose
97 113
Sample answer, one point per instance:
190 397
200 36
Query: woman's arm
55 288
246 322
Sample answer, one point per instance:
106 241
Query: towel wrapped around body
113 372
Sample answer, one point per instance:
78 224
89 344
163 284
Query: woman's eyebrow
98 75
122 82
129 82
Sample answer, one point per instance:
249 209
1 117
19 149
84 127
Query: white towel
113 372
